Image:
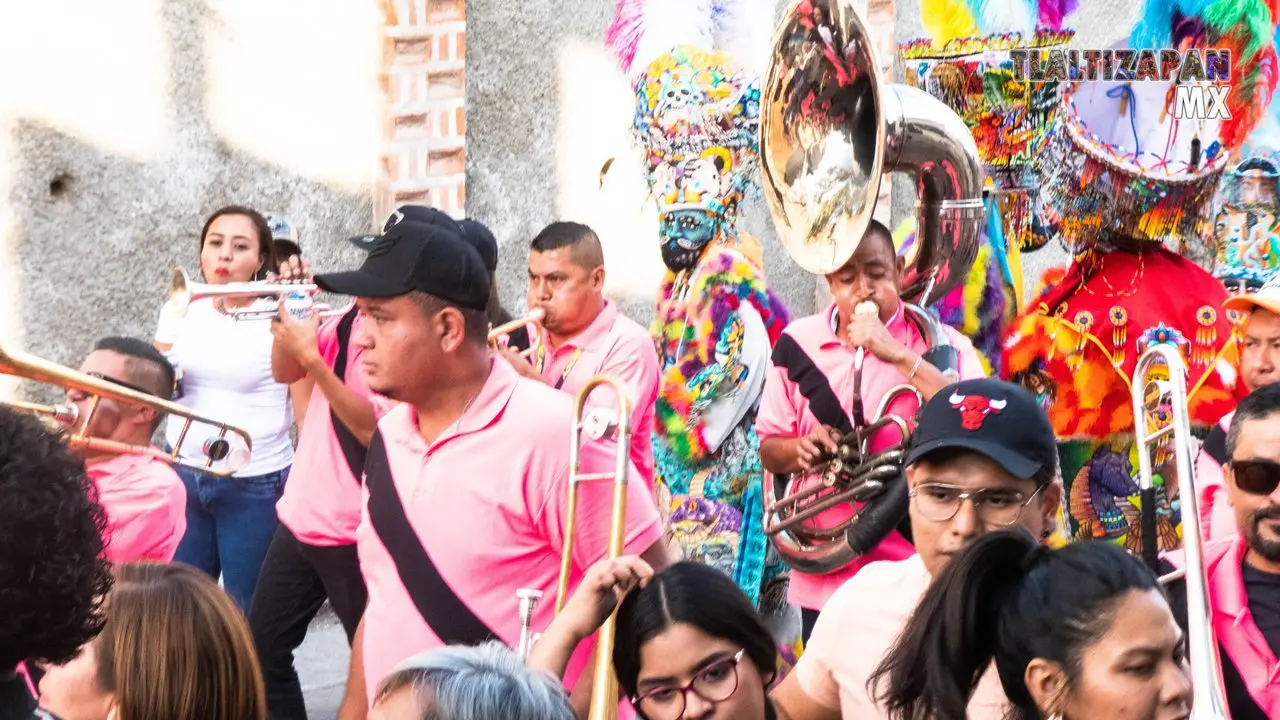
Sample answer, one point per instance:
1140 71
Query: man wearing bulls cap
982 458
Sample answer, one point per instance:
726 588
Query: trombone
183 292
1202 647
597 424
216 448
532 321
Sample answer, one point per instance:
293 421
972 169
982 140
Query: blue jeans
230 523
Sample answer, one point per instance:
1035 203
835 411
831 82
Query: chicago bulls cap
993 418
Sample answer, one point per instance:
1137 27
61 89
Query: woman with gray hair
485 682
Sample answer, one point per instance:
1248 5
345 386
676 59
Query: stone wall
121 131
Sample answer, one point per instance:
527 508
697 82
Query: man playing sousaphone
809 392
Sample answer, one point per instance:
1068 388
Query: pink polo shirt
321 500
486 501
1233 625
146 506
614 345
1217 519
855 630
812 366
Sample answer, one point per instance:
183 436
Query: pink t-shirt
857 627
807 361
146 506
487 501
1233 623
1217 519
615 345
321 500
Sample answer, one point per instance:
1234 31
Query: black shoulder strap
352 449
444 612
812 383
1215 444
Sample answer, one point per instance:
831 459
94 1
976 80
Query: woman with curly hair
52 575
174 646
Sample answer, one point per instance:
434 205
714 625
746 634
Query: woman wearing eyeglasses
1080 633
690 646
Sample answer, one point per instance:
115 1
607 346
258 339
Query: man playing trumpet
144 498
809 390
583 334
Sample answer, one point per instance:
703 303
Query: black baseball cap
409 213
411 257
482 240
991 417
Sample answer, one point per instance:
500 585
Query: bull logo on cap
974 409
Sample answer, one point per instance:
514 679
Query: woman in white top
225 368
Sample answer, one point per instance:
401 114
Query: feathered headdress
644 29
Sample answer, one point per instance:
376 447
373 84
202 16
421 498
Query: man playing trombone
466 480
1243 568
144 498
583 334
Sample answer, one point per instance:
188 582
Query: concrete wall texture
123 129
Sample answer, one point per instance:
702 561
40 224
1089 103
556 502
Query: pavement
321 663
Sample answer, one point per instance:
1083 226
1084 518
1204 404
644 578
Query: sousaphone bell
830 129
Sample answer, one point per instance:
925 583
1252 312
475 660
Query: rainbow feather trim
687 333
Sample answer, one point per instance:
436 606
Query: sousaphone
830 129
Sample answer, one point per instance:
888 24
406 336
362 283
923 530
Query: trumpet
183 292
597 424
1202 646
532 321
67 417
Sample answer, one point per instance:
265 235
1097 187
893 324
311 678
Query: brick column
424 80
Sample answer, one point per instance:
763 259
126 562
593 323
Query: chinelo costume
697 119
1128 189
966 63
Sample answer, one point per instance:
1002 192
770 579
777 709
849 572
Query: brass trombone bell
216 448
183 291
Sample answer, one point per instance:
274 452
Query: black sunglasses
1256 477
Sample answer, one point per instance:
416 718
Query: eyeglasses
1256 477
998 507
715 683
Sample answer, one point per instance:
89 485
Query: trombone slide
216 448
1210 701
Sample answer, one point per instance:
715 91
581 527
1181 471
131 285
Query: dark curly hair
53 578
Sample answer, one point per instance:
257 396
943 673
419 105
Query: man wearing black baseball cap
983 457
466 480
478 235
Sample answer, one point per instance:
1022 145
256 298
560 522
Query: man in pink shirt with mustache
144 498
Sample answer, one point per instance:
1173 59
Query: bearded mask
698 120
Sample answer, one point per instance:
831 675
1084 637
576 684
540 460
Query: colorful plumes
946 20
1052 13
623 36
690 331
1154 28
1246 22
1004 16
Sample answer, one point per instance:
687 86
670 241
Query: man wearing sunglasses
983 457
144 498
1243 570
1259 366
